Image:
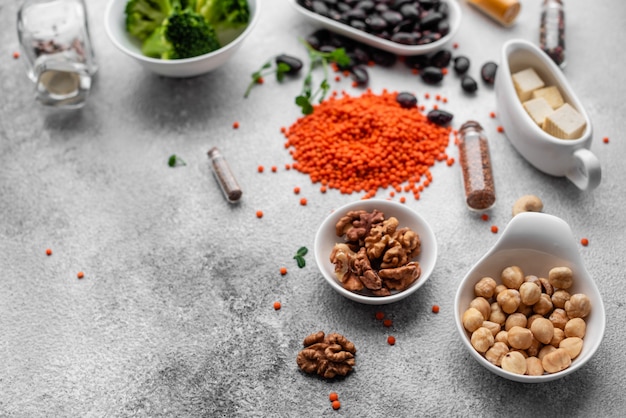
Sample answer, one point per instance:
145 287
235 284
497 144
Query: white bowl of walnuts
528 310
375 251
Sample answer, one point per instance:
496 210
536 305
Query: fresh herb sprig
175 160
308 96
299 257
266 69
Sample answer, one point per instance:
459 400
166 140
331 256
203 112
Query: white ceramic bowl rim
138 55
427 258
535 236
385 44
513 45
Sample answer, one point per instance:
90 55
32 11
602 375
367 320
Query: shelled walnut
377 255
327 355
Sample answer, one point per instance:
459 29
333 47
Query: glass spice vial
475 161
224 176
552 31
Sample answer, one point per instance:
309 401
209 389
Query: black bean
443 27
441 58
431 20
406 100
381 7
428 4
392 17
428 37
468 84
461 64
439 117
431 75
358 24
488 72
320 7
343 7
359 75
355 14
366 5
409 11
443 8
383 58
397 4
417 62
404 38
375 23
295 64
359 55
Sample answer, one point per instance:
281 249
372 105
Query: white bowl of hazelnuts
528 310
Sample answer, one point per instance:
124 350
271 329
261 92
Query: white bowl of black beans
403 27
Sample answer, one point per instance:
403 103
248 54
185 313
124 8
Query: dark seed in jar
359 75
431 75
469 84
441 58
406 100
295 64
461 64
439 117
488 72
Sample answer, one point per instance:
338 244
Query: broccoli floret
144 16
224 13
184 34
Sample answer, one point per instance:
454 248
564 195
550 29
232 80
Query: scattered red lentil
303 201
427 95
287 166
391 340
605 139
260 169
80 275
380 315
333 396
455 45
260 80
584 242
274 169
438 97
323 189
48 251
484 217
494 229
296 190
492 115
435 107
259 214
336 405
435 308
500 128
403 199
444 99
387 323
283 271
235 125
16 55
444 71
450 161
414 71
277 305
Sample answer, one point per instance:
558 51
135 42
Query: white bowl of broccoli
180 38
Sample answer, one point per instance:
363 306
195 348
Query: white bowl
536 242
114 22
454 18
569 158
326 239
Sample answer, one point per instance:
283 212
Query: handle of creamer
586 172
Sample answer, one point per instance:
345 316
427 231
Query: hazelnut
542 330
472 319
529 293
520 338
578 306
545 350
575 327
497 314
496 352
556 360
512 277
573 346
559 318
514 362
485 287
544 305
509 300
502 337
560 297
516 319
483 306
534 366
482 339
492 326
561 277
558 336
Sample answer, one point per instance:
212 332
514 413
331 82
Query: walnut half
327 355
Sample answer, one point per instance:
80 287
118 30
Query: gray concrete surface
174 315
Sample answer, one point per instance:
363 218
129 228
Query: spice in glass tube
224 176
552 31
475 160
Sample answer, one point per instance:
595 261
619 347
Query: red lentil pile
361 144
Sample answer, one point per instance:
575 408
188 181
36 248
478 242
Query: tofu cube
565 123
525 82
551 94
538 109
